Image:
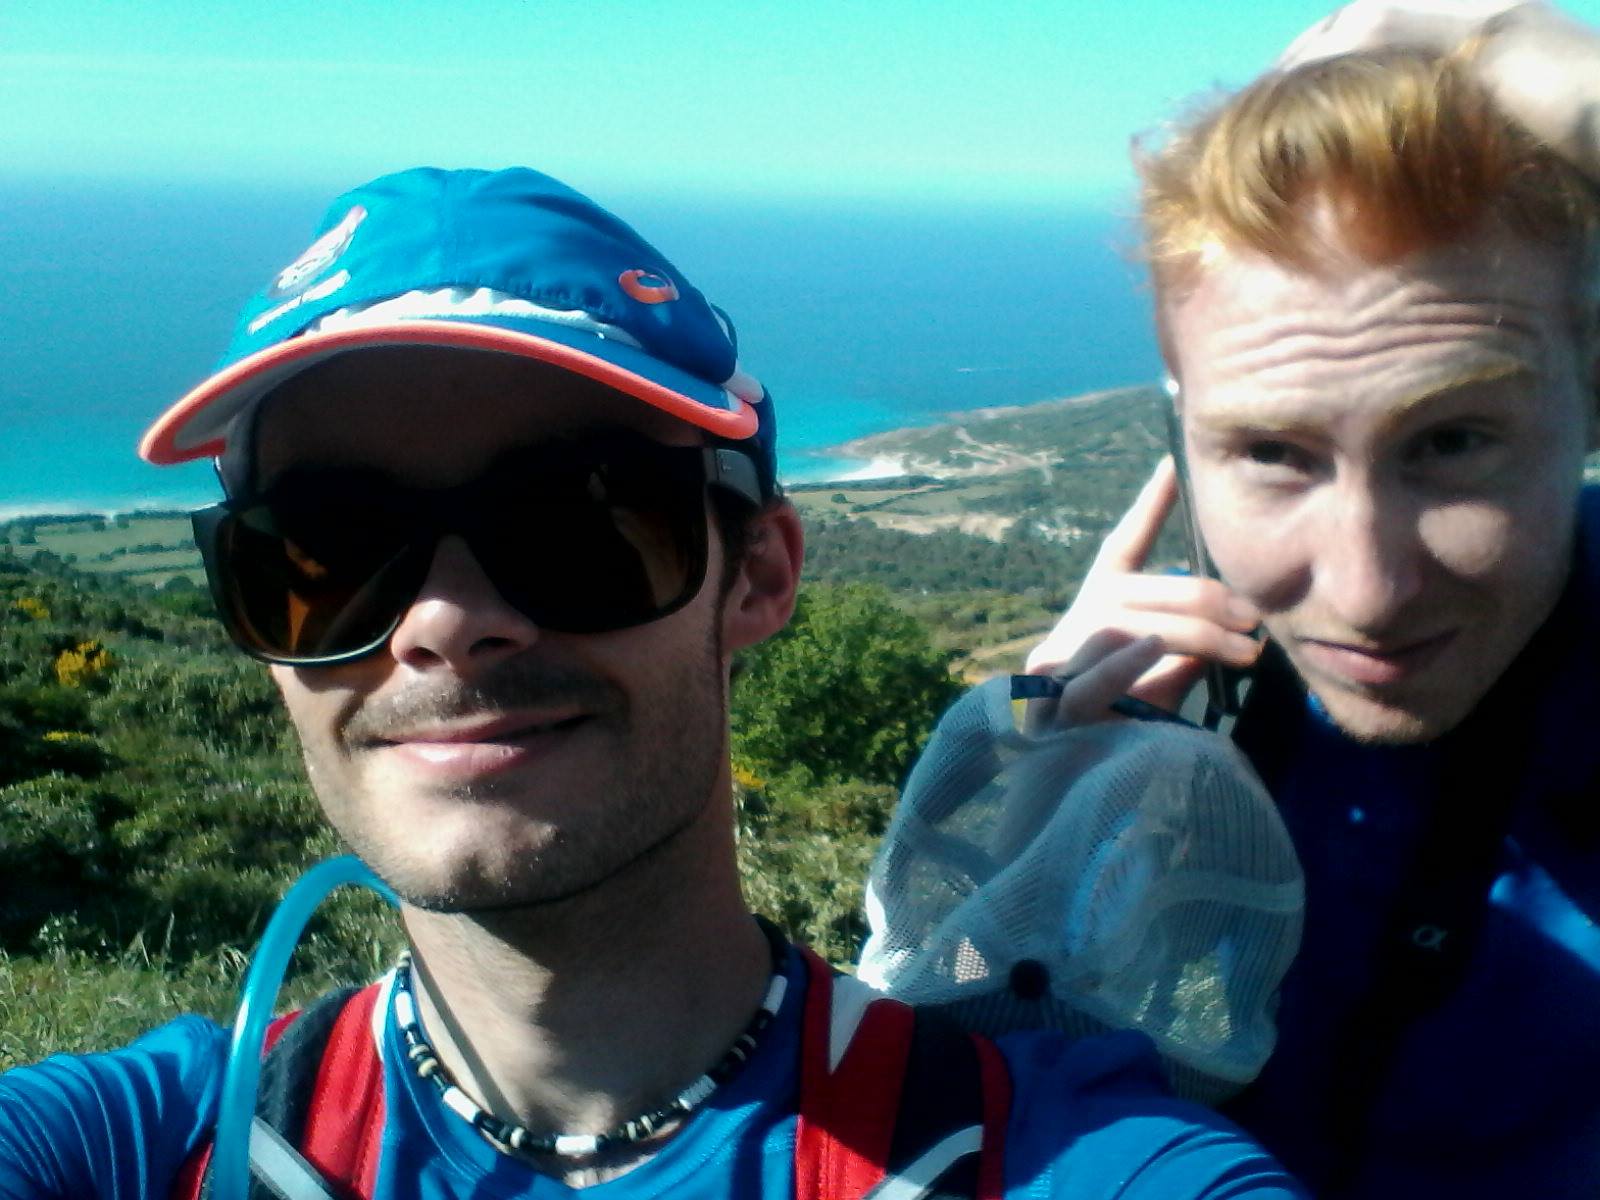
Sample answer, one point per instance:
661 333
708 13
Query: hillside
1060 471
984 536
153 807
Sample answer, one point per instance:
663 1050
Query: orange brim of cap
241 384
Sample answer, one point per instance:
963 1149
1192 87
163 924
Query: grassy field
67 1002
175 714
148 548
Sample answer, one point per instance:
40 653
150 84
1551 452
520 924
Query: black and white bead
505 1136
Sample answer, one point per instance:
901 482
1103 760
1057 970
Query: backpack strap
863 1057
321 1090
895 1104
192 1176
341 1125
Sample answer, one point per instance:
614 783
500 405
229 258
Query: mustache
508 686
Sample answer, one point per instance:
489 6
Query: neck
573 1017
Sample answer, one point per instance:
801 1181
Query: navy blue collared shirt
1495 1090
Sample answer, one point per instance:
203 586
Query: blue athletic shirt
1089 1120
1496 1091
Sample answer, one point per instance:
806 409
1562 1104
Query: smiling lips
482 747
1375 666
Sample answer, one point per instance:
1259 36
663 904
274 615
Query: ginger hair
1408 148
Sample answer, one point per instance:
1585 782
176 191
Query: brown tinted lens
303 597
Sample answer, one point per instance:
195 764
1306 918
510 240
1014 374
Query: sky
157 157
799 98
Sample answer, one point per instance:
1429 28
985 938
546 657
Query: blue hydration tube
230 1179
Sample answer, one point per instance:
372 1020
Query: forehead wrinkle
1495 348
1245 299
1429 318
1263 416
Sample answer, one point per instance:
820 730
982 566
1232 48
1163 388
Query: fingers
1109 668
1099 672
1312 44
1128 545
1189 595
1089 696
1432 25
1196 620
1168 683
1192 615
1201 638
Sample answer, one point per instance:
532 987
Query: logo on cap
318 256
648 287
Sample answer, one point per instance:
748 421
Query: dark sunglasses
581 537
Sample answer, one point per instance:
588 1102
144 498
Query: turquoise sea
859 318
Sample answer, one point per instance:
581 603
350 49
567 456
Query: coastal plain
980 524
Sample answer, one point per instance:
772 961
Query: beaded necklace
505 1136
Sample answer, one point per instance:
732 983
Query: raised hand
1193 619
1540 64
1437 25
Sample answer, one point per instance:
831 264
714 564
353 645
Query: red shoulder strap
191 1176
856 1055
344 1115
344 1123
846 1109
996 1112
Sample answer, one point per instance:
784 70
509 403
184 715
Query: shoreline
958 446
872 457
879 444
878 466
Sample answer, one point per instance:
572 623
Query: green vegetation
151 811
153 807
152 548
1020 563
847 692
152 804
1062 470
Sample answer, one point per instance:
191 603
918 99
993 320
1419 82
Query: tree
848 691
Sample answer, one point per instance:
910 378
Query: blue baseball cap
511 262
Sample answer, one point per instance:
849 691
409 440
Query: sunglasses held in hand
583 537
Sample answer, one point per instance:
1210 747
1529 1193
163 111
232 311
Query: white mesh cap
1122 875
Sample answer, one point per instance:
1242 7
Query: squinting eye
1268 453
1449 442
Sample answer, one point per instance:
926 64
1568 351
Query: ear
761 598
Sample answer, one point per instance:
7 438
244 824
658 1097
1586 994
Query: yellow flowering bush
32 607
84 662
746 779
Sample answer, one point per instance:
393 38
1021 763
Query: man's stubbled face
479 761
1385 460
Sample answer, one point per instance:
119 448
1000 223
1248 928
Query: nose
459 619
1369 564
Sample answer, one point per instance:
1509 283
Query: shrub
57 856
85 663
803 857
848 691
228 703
